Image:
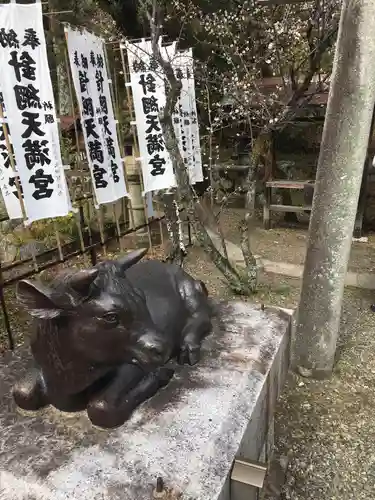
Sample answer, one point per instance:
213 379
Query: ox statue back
103 336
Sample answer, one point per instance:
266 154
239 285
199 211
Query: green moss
45 231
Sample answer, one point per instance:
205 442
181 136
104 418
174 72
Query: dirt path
289 245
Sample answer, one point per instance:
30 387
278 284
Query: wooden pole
136 146
16 180
119 134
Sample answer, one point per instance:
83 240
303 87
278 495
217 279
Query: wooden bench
282 184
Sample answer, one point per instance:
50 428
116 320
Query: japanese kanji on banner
87 62
185 117
149 98
7 176
28 96
197 172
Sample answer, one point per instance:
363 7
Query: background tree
81 13
235 45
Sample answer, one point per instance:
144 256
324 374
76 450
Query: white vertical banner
181 117
185 117
197 170
8 184
28 96
148 88
91 83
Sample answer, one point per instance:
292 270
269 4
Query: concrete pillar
342 156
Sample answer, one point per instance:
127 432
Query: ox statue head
97 314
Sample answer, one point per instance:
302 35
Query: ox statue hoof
29 393
189 355
110 409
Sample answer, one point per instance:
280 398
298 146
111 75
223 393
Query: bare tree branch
186 193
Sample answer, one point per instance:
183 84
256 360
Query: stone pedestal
189 434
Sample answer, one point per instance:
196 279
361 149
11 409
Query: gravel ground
325 429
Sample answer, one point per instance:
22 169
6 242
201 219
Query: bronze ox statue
103 336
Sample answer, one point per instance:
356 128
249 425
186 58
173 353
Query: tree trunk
240 281
342 155
61 76
177 251
62 83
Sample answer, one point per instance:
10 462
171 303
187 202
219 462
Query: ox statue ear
82 280
36 299
131 258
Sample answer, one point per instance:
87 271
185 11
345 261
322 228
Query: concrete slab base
189 433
